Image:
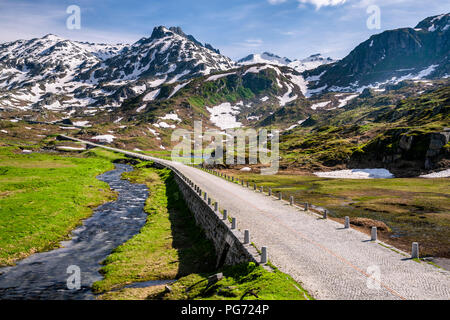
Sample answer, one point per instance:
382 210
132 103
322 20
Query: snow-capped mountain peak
168 55
56 73
265 57
310 62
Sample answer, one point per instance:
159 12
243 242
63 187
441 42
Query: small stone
215 278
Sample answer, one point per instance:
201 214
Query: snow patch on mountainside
171 116
320 105
218 76
257 69
287 97
108 138
343 102
265 57
178 88
295 125
151 95
310 63
300 82
224 115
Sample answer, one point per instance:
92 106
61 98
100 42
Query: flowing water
46 275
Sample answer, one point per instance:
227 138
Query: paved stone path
329 261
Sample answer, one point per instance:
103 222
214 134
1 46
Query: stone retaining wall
228 243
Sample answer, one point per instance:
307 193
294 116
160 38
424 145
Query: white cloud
20 20
322 3
276 1
252 43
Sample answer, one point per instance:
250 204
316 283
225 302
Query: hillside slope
392 56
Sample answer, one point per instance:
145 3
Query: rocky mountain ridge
390 57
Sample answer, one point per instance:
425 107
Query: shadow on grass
196 253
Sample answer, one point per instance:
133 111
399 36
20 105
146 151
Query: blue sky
292 28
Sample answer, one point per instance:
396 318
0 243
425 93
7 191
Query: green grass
44 196
245 281
414 209
171 246
368 131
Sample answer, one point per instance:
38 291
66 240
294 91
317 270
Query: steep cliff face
394 55
406 151
419 140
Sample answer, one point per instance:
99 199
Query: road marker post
374 234
263 255
291 200
246 237
347 222
233 223
415 250
225 214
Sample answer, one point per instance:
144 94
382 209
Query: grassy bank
45 196
242 282
171 246
413 209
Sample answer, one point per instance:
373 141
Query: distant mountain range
309 63
265 57
56 74
386 104
390 57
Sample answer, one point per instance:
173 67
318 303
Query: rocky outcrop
405 152
436 148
